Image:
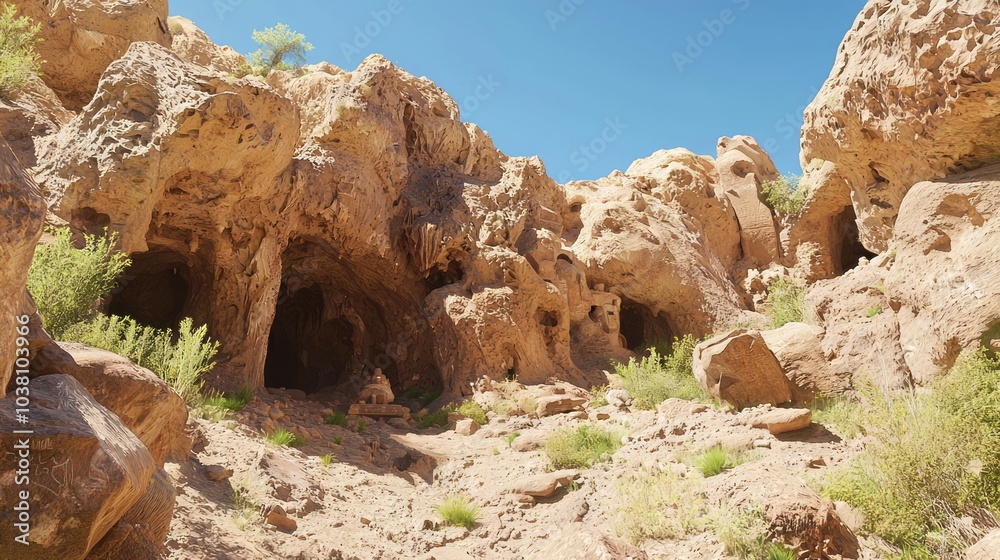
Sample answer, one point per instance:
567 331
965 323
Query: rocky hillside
344 236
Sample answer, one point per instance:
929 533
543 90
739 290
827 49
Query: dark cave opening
154 290
305 350
641 328
849 249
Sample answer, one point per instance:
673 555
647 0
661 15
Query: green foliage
338 418
932 459
281 436
458 511
873 311
470 409
19 60
784 195
437 418
844 416
337 440
281 48
598 397
582 447
361 425
247 493
714 461
658 377
327 460
66 281
511 437
786 299
230 403
182 364
744 533
659 505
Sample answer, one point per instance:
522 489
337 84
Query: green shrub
743 533
66 282
247 494
875 310
361 425
458 511
337 440
470 409
511 437
437 418
582 447
281 48
598 397
19 60
659 505
658 377
844 416
338 418
932 459
232 403
182 364
786 300
784 195
281 436
326 460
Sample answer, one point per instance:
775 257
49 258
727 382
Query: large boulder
799 349
988 548
911 98
191 44
140 532
743 168
737 367
28 119
22 212
82 37
86 471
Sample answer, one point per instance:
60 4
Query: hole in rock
438 278
304 350
154 290
848 250
641 328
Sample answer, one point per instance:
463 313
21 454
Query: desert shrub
66 281
874 310
470 409
281 436
338 418
932 459
786 301
744 533
458 511
582 447
784 195
660 376
361 424
718 459
19 60
230 403
436 418
660 505
281 48
337 440
511 437
326 460
844 416
181 359
598 397
247 495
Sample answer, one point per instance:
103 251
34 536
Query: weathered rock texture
82 37
739 368
86 470
22 212
911 98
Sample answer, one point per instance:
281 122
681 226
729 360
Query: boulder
799 349
277 517
543 485
743 167
796 514
737 367
776 420
140 533
192 45
142 401
22 212
28 117
619 398
986 549
558 404
466 427
101 470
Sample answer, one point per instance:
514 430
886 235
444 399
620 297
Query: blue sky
587 85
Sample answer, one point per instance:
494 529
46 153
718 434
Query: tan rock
277 517
777 420
529 441
109 466
737 367
192 45
543 485
558 404
28 119
799 349
466 427
986 549
140 533
572 543
743 167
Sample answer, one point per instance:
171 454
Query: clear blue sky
588 85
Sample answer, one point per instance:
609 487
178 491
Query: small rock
601 416
618 398
398 423
816 462
545 484
762 444
466 427
558 404
578 415
366 521
276 516
777 420
215 473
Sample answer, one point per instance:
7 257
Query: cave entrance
305 351
641 328
849 247
154 290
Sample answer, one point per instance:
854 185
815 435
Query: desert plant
657 505
660 376
844 416
66 281
437 418
337 440
713 461
19 59
281 48
598 397
874 310
784 195
744 533
326 460
181 363
786 301
511 437
338 418
932 459
582 447
283 437
470 409
361 425
458 511
246 497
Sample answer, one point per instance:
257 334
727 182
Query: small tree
281 48
18 58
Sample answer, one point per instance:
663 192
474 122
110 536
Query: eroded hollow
155 290
642 328
849 249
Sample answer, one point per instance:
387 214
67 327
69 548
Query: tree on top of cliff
18 58
281 48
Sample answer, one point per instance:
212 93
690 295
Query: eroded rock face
739 368
82 37
22 213
29 117
743 168
104 470
191 44
910 99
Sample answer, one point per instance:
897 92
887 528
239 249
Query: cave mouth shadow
641 328
155 290
305 350
847 245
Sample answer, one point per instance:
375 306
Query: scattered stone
558 404
777 420
545 484
277 517
216 473
762 444
466 427
619 398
